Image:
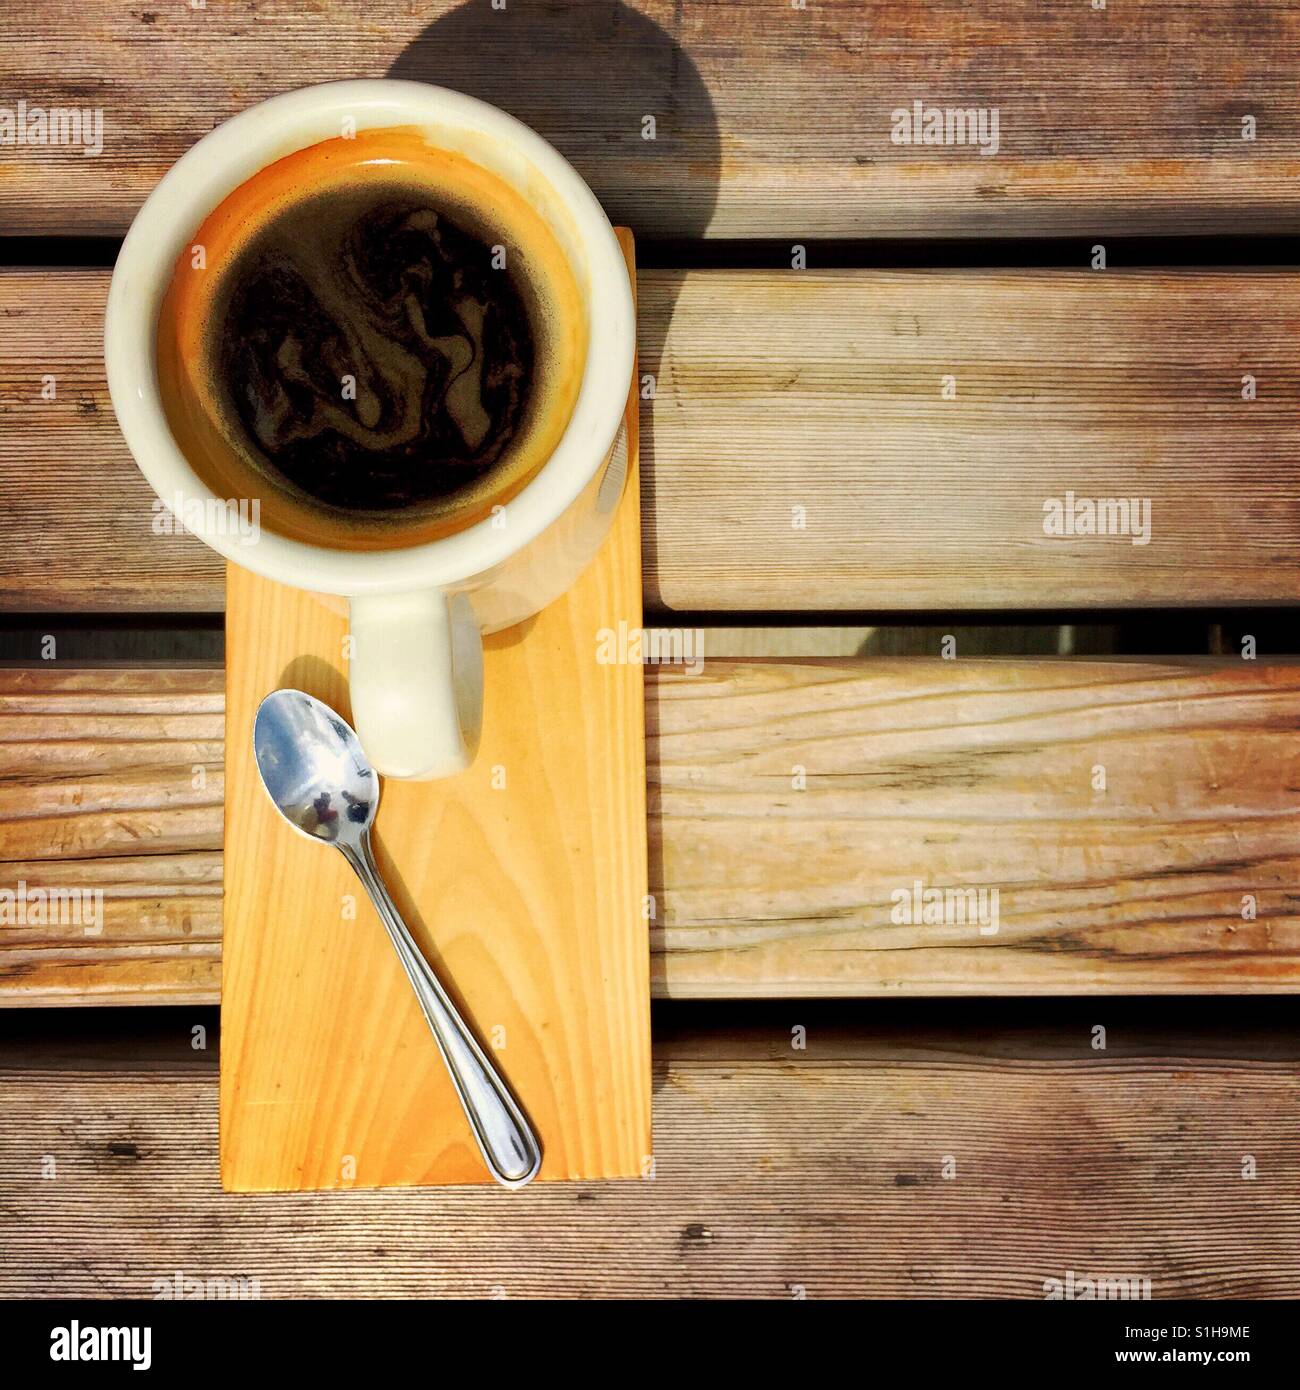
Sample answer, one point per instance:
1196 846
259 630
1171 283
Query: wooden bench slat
776 392
790 802
834 1161
773 122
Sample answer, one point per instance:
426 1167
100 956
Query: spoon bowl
313 768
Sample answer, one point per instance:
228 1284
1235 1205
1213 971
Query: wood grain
962 774
776 1171
522 878
847 783
113 781
819 391
770 120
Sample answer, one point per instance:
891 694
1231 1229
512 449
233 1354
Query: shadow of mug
614 92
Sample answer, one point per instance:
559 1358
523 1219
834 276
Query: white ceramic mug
417 614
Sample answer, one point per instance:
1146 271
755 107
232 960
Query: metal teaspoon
314 770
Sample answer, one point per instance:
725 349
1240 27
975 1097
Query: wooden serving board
523 879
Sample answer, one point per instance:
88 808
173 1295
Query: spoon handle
509 1146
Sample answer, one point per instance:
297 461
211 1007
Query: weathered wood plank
159 939
799 453
112 781
789 803
802 454
833 1159
770 120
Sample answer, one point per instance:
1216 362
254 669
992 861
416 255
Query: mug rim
228 156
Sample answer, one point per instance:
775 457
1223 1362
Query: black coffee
370 349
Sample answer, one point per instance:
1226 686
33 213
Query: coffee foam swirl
352 355
379 292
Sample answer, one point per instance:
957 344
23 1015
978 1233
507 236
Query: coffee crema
380 340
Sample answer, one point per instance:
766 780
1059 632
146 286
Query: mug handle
417 682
